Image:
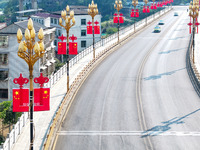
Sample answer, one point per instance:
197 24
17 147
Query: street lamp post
118 5
134 3
145 1
194 7
93 11
30 51
68 16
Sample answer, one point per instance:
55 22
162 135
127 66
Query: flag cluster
135 13
117 18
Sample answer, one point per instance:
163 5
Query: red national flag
137 14
115 19
121 20
20 100
148 10
73 48
89 29
152 7
96 29
41 99
61 48
132 14
144 9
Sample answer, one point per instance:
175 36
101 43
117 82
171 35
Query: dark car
161 22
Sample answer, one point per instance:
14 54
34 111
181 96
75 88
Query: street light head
190 13
64 13
41 46
92 2
120 2
19 35
73 20
37 49
30 24
67 8
66 21
60 20
21 47
27 35
71 13
33 33
116 2
97 11
190 6
89 6
40 34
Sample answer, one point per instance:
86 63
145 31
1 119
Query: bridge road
124 101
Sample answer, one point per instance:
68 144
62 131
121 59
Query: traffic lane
106 101
168 94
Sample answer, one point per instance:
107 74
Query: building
11 65
79 30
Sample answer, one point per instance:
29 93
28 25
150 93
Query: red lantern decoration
41 95
155 6
89 28
73 50
115 18
20 100
20 96
148 10
152 6
197 24
61 48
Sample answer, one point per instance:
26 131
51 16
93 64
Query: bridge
138 94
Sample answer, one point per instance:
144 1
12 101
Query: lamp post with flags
68 16
118 5
146 9
135 11
30 51
194 12
93 11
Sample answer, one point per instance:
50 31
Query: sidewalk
58 91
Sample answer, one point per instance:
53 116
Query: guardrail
15 132
68 99
191 68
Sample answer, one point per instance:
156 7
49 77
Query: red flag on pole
96 29
61 48
20 100
89 29
115 19
41 99
73 48
121 19
137 14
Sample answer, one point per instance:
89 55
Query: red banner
73 48
89 29
96 29
61 48
20 100
41 99
121 20
115 19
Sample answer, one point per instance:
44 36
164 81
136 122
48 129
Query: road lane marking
129 133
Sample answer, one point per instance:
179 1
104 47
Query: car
157 29
175 14
161 22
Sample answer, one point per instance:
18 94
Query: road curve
139 97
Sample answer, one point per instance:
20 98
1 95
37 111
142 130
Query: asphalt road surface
139 98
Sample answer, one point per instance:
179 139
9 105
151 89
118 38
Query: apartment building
11 65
